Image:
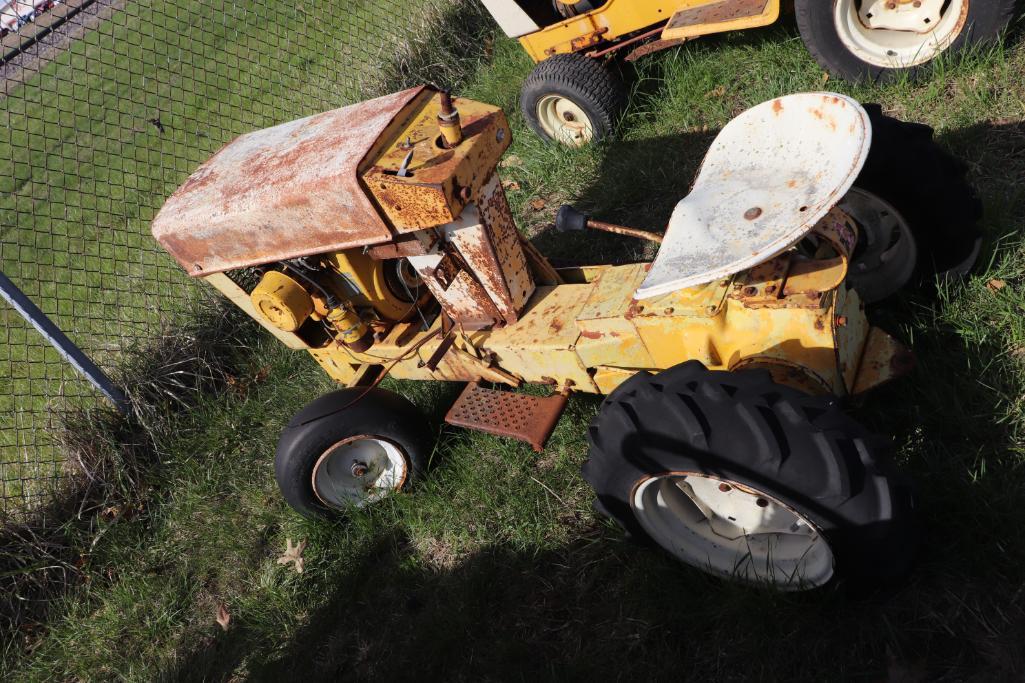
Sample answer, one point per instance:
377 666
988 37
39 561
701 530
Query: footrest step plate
506 413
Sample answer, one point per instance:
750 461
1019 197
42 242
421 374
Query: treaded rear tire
986 19
929 187
584 81
741 426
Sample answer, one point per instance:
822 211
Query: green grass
84 168
495 567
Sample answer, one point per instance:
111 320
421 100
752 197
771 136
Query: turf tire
802 450
330 419
594 88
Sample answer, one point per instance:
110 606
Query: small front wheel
749 480
350 449
572 99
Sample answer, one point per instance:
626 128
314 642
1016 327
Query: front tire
866 40
336 453
749 480
572 99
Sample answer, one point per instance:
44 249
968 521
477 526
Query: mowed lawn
495 567
92 145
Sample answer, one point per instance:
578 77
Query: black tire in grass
843 53
740 434
572 99
356 452
930 189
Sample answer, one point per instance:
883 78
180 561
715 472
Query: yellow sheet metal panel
441 181
612 341
850 330
336 363
542 345
495 213
719 16
617 18
612 291
884 359
608 378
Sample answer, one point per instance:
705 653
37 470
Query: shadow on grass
109 458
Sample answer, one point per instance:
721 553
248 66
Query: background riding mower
378 239
574 98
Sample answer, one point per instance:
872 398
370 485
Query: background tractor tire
795 453
572 99
382 430
842 44
930 189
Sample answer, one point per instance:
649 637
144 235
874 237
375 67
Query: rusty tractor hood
287 191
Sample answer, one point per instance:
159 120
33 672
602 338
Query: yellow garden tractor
573 98
378 239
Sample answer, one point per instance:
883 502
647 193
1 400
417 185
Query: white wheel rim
733 531
899 33
358 471
564 121
885 258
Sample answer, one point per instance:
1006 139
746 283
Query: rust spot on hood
286 191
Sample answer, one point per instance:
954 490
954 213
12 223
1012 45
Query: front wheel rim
896 33
563 120
359 471
731 530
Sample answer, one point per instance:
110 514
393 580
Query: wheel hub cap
732 530
358 471
919 16
899 33
564 121
887 254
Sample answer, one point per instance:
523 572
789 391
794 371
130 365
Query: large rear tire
929 189
750 480
875 40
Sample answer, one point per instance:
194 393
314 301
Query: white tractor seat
771 174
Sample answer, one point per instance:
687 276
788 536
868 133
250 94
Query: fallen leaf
1018 352
825 77
294 554
995 285
716 92
537 203
223 617
511 160
510 185
261 374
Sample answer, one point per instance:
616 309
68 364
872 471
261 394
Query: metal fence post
67 349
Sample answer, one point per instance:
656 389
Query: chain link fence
106 109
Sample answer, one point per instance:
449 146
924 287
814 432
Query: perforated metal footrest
505 413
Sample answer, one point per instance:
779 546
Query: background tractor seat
771 174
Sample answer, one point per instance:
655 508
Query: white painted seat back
771 174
